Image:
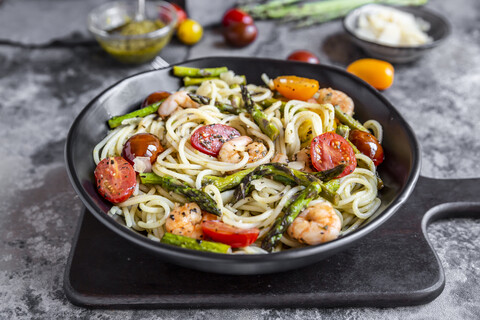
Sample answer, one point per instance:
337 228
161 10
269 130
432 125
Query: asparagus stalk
343 130
316 11
187 81
204 201
331 185
180 71
348 120
282 173
261 11
283 222
259 116
228 182
194 244
224 107
269 101
315 8
140 113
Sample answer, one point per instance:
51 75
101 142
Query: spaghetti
148 209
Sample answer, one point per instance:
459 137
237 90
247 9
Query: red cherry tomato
142 145
235 237
329 150
155 97
240 34
181 14
115 179
210 139
368 145
304 56
234 15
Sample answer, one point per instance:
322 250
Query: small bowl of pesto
396 34
127 38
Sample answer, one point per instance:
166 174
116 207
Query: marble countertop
43 86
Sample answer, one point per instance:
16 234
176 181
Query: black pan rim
180 253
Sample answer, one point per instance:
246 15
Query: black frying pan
399 171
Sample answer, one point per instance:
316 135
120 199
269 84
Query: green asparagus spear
194 244
283 222
332 185
180 71
224 107
348 120
204 201
260 118
282 173
269 101
314 11
228 182
343 131
329 174
187 81
140 113
236 102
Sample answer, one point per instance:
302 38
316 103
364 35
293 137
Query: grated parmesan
392 27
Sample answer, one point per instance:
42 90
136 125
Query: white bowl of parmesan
395 34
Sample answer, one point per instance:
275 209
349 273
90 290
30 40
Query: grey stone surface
39 22
42 90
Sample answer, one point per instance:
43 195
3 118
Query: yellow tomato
379 74
189 31
293 87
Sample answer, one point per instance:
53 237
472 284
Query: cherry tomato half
367 144
240 34
189 31
210 139
329 150
142 145
115 179
181 14
293 87
379 74
235 15
304 56
235 237
155 97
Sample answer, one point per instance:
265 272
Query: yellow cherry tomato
189 31
379 74
293 87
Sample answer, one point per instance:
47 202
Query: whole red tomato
181 14
304 56
236 16
240 34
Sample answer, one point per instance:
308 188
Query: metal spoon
140 14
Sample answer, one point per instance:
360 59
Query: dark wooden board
393 266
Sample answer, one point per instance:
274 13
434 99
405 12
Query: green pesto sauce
133 28
135 50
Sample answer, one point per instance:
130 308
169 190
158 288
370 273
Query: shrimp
187 220
336 97
304 156
316 224
179 99
232 150
280 158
